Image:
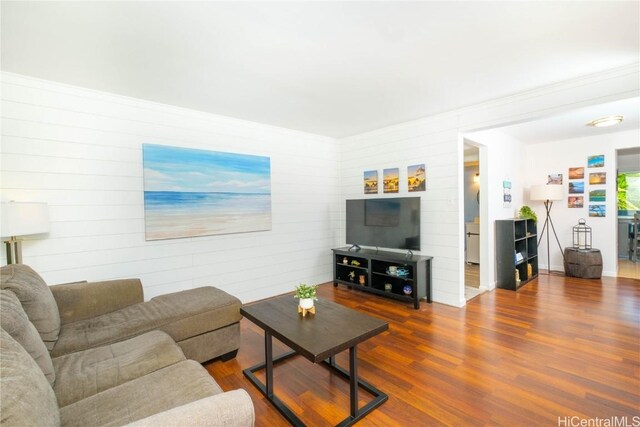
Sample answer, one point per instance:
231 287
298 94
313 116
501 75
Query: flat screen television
392 223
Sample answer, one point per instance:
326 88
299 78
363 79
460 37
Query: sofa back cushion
26 398
36 299
16 323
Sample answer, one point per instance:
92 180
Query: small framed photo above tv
416 178
391 179
370 182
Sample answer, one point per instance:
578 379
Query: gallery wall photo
191 192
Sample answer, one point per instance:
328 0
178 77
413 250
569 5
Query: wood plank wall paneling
80 151
434 143
559 347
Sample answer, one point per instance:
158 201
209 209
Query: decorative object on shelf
22 219
597 178
190 192
407 289
548 193
362 279
391 180
596 161
581 235
529 270
356 263
527 213
576 173
416 178
388 287
392 270
306 294
576 187
352 275
371 182
519 257
517 277
345 260
402 272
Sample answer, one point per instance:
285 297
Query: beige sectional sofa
94 354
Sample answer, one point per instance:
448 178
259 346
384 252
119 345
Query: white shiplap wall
437 141
432 142
81 152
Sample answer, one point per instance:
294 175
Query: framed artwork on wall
576 187
576 173
555 179
597 178
575 202
391 180
598 195
596 161
190 193
371 182
597 210
416 178
506 194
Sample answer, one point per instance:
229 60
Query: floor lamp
548 193
21 219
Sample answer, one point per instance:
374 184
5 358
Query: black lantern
581 235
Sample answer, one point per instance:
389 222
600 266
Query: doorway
628 199
471 221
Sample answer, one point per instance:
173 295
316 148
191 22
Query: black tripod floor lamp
548 194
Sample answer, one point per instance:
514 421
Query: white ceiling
573 124
329 68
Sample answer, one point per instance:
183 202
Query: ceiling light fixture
606 121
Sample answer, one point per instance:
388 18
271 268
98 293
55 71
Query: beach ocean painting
190 192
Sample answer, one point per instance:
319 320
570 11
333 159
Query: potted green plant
306 294
527 213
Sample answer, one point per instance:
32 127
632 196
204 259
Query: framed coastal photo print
596 161
575 202
598 196
576 173
371 182
555 179
576 187
416 178
597 211
391 180
596 178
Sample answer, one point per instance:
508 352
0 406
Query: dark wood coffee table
318 337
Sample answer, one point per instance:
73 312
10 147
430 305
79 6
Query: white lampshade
23 219
546 192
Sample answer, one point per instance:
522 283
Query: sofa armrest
232 408
84 300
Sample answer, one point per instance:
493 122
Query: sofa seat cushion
26 398
36 298
182 315
159 391
16 323
85 373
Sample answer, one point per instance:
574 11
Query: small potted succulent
306 294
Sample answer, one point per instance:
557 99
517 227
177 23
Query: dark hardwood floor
559 347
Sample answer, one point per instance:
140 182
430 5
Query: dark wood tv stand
368 270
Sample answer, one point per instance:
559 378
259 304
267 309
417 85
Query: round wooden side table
584 263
